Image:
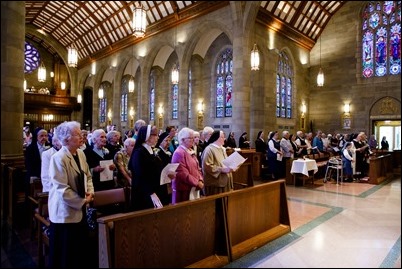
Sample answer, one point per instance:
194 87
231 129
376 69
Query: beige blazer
65 205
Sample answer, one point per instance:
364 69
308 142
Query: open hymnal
106 174
234 161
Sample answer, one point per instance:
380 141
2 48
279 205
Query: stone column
12 78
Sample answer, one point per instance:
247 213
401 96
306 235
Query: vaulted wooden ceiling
95 26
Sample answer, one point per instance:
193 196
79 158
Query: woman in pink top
188 174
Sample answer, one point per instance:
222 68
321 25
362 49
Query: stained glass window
284 87
124 99
381 39
190 91
32 58
224 84
152 98
175 101
102 109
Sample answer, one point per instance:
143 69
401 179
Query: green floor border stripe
265 252
393 255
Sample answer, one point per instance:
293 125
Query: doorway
391 129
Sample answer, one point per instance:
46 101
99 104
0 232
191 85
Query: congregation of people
73 164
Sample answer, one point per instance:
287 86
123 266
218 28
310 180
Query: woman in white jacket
70 193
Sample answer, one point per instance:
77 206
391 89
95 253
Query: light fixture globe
139 20
175 75
72 59
255 58
131 85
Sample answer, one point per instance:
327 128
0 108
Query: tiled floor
352 225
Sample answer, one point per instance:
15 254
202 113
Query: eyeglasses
191 138
155 134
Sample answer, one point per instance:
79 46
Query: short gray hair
183 133
63 131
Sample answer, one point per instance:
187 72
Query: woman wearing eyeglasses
188 173
218 178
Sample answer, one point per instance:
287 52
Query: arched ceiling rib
97 28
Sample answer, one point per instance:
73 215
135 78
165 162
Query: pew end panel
256 216
189 234
380 169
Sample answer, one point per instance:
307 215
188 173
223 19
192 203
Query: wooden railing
208 232
35 100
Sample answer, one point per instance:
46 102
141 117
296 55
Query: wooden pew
208 232
4 186
380 169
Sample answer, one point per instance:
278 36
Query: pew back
207 232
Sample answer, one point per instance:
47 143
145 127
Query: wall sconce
131 113
303 116
25 84
200 108
160 118
160 111
109 116
79 98
346 117
303 110
52 74
101 92
63 85
346 108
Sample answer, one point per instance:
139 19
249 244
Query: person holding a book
217 177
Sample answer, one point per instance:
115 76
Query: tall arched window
103 104
124 98
381 39
190 93
284 87
152 97
224 84
175 101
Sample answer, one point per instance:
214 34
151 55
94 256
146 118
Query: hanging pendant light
72 53
42 72
101 92
175 75
320 76
79 98
131 85
72 57
139 20
255 58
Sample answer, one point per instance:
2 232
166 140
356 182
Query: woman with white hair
188 174
70 193
46 155
96 153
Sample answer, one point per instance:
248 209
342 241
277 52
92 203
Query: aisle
334 226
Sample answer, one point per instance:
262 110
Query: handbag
91 218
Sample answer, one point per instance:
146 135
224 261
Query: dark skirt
70 246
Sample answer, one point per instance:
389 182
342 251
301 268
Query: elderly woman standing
218 178
96 153
188 174
71 190
121 160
